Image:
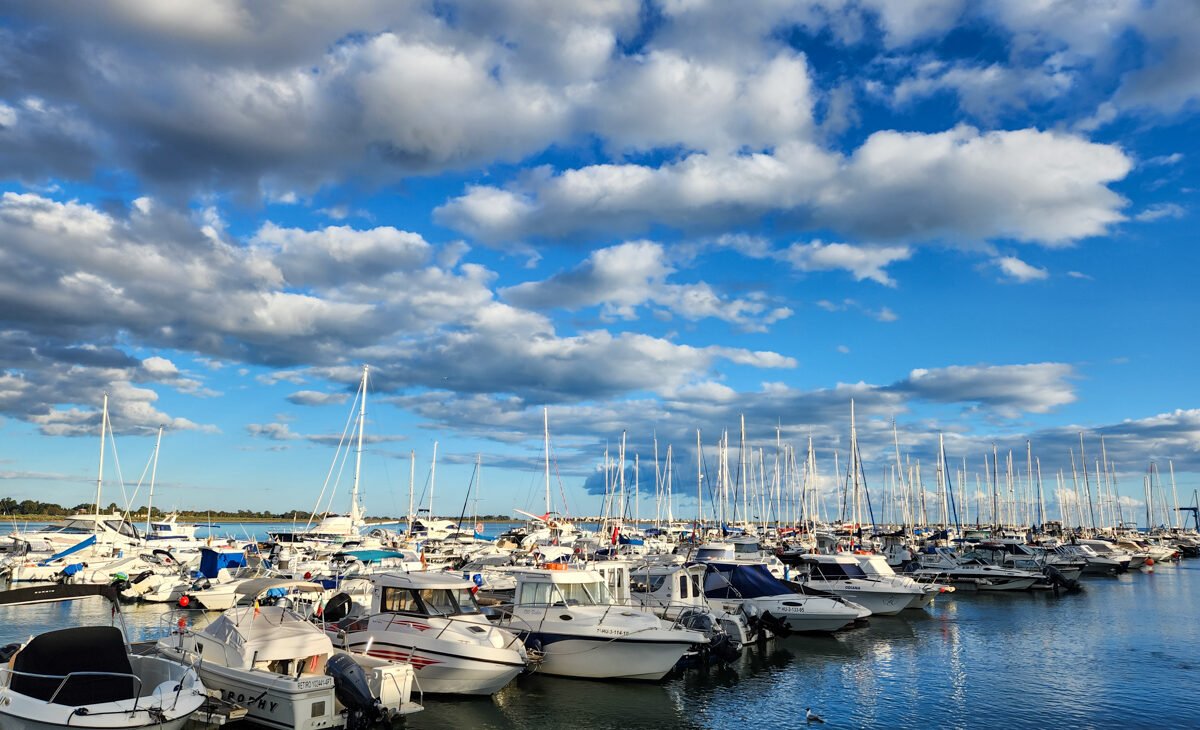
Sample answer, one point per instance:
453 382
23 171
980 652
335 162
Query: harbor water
1120 654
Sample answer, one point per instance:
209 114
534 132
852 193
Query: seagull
811 716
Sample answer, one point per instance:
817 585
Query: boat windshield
837 571
429 601
564 594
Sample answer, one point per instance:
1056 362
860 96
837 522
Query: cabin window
439 600
696 590
535 594
683 586
466 601
584 594
648 583
399 600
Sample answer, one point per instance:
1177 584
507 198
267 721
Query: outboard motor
351 688
1058 580
775 625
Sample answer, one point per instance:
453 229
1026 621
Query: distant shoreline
204 519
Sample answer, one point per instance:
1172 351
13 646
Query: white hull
444 667
123 722
602 657
879 603
288 703
160 707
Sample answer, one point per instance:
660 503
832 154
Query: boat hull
605 657
272 700
443 667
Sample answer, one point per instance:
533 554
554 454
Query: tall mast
432 478
100 476
546 438
854 464
1087 487
355 510
153 473
1174 494
699 487
412 479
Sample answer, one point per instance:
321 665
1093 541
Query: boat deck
214 713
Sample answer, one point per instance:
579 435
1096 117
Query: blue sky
650 218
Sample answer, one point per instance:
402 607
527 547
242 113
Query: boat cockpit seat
97 655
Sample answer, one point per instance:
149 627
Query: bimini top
741 580
258 586
543 575
421 581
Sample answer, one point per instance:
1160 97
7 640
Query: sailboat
61 549
335 529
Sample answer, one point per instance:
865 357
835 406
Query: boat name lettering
254 700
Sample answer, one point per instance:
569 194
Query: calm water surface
1123 653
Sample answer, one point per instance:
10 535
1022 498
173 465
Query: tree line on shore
10 507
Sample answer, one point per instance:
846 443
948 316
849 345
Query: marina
969 658
543 364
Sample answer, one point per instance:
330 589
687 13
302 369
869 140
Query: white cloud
1010 389
985 92
1158 211
316 398
960 187
1019 271
624 277
861 261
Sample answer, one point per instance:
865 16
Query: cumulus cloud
70 272
959 186
1014 269
316 398
1159 211
863 262
1009 389
624 277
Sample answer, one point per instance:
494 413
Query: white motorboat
88 676
676 592
565 617
943 564
751 588
431 621
285 670
877 567
841 575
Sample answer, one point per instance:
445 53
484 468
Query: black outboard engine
350 687
1058 580
773 624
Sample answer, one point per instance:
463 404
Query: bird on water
812 716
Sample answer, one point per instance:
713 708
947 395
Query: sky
636 220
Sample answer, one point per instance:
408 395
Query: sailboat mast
412 479
1174 494
432 478
153 473
100 475
355 511
546 438
699 487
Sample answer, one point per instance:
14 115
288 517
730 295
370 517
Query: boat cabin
424 595
558 587
833 567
